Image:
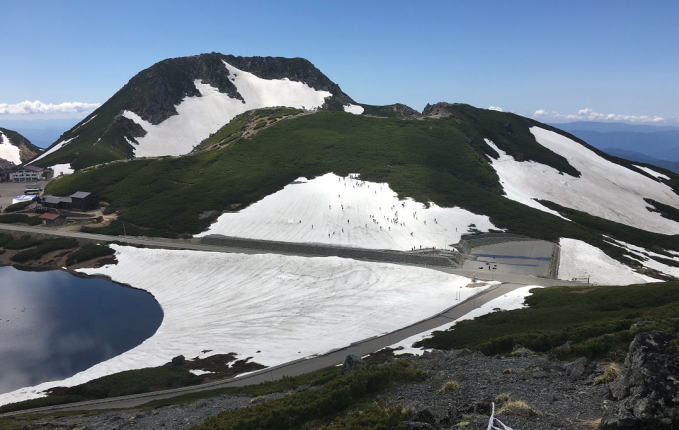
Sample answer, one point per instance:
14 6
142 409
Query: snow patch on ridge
198 117
347 211
604 189
355 109
579 259
61 169
506 302
645 257
274 308
652 172
8 151
512 184
56 147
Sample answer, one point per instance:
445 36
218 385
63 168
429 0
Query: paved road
296 367
255 247
510 281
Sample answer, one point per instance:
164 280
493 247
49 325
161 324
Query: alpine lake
54 324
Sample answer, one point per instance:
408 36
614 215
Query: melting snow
52 149
61 169
286 307
348 212
507 302
645 257
652 172
605 189
90 119
355 109
199 372
8 151
198 117
579 259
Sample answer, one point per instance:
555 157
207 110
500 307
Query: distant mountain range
657 145
15 149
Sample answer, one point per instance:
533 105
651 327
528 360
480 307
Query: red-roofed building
52 219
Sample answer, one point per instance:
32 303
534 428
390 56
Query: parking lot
529 257
8 190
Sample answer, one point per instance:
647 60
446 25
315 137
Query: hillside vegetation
442 160
569 322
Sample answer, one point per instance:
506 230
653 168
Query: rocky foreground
461 388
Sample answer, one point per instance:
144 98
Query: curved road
297 367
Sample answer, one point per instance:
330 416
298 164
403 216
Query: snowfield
645 257
334 210
355 109
604 189
198 117
579 259
8 151
653 172
273 308
52 149
506 302
61 169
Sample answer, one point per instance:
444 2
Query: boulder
351 363
578 369
646 394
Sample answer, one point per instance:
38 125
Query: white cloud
497 108
28 107
587 114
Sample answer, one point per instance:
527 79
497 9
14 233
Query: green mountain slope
442 159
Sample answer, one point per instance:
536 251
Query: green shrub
43 248
593 321
89 252
19 218
19 243
294 410
373 417
18 206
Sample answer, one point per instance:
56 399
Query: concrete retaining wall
328 250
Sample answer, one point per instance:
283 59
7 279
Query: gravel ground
562 396
167 417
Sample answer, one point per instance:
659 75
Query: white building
27 174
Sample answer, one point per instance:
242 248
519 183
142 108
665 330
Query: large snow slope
506 302
8 151
604 189
286 307
198 117
349 212
579 259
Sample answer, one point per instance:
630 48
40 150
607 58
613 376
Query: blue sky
612 57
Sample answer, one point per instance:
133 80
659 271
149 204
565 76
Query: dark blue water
54 324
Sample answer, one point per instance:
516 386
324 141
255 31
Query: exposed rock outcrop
646 394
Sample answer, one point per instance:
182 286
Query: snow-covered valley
272 308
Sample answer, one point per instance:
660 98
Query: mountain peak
15 149
170 107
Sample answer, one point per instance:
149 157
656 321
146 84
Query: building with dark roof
83 201
80 200
56 202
